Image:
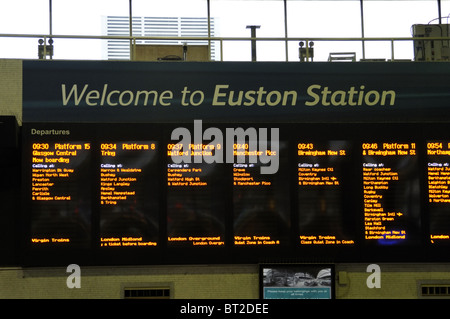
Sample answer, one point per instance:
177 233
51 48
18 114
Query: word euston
242 146
222 95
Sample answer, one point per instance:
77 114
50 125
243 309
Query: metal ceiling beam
361 2
439 11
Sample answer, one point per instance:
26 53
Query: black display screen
323 192
261 202
391 188
60 194
129 194
438 186
196 206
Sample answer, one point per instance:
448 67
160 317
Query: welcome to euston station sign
224 96
107 91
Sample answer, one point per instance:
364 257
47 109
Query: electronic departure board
438 186
322 190
390 174
129 194
196 206
121 194
60 193
260 201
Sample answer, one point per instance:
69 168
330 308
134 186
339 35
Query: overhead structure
208 6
